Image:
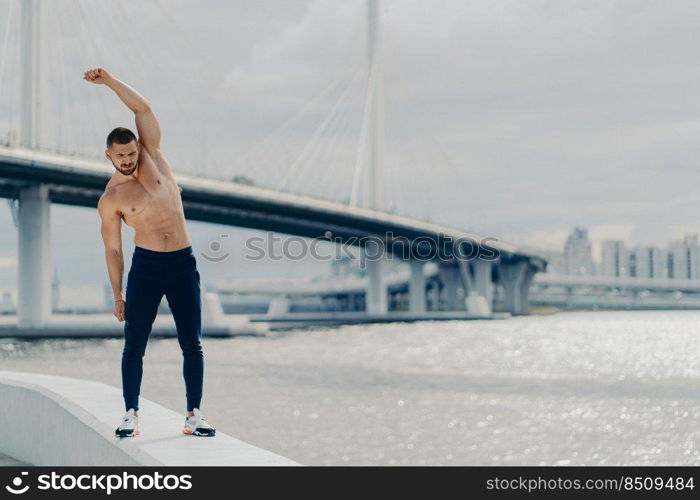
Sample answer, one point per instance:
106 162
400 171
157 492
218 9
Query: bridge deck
80 182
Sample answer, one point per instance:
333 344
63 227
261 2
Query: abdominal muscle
160 227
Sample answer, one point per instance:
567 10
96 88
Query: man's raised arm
146 122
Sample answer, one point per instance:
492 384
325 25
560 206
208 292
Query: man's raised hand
97 75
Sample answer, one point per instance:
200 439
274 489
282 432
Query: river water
575 388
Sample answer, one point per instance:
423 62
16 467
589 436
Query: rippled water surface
583 388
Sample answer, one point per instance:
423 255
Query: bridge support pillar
376 298
433 296
474 299
483 283
212 309
569 297
34 277
416 287
516 278
279 305
449 276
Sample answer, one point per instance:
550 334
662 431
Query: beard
127 171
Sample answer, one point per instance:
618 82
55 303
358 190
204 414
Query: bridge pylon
34 304
33 213
416 287
372 137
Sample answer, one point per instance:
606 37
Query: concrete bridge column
34 278
525 288
474 301
476 280
483 283
569 297
417 287
449 276
279 305
482 279
465 277
434 296
377 294
516 278
212 310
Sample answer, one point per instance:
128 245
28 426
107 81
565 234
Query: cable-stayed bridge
328 171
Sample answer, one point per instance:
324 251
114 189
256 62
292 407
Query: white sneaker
129 426
197 425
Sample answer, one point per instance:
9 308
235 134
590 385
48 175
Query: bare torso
150 202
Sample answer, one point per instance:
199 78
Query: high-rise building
692 251
683 260
649 262
578 258
615 261
631 260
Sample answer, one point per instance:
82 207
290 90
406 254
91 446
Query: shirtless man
143 193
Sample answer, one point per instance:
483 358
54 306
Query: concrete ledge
7 461
65 421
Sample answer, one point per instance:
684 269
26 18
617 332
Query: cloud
8 263
291 67
610 232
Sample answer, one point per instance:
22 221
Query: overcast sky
526 117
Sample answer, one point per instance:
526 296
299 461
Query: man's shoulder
109 199
109 195
114 190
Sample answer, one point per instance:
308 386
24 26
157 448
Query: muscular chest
138 204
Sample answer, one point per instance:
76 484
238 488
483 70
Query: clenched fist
119 309
97 75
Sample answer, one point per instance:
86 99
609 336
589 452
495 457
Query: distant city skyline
679 258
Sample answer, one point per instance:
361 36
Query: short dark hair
120 135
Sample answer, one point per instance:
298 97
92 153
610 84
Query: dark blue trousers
152 275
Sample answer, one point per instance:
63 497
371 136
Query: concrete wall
65 421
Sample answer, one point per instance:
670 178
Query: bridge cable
5 43
446 165
333 170
295 118
330 168
73 123
304 160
